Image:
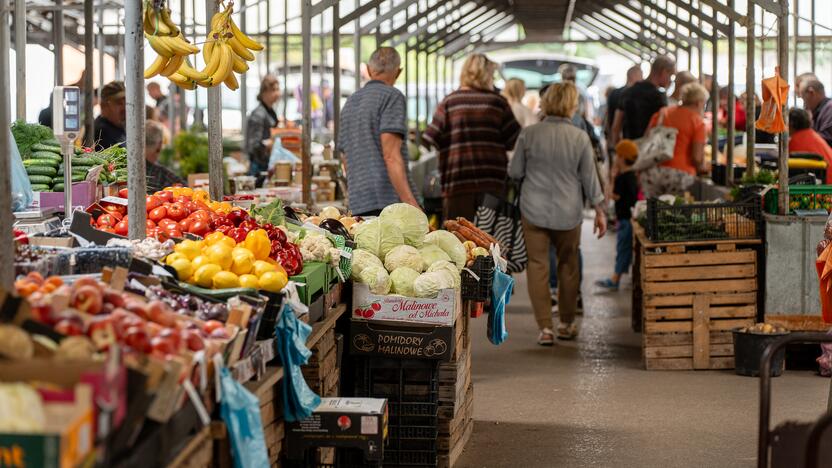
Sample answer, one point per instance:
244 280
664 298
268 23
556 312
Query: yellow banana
161 47
220 19
179 45
188 71
214 62
207 51
246 41
173 65
238 65
231 82
156 67
240 50
157 26
182 81
164 14
224 67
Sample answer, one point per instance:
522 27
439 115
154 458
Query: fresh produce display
764 329
810 201
465 230
186 304
27 135
45 166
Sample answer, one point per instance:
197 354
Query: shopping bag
22 195
501 288
775 95
299 401
500 217
656 146
240 410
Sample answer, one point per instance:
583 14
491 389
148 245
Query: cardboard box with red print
441 310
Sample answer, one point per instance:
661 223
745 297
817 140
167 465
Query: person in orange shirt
803 139
676 176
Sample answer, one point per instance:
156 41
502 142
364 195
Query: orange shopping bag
823 265
775 95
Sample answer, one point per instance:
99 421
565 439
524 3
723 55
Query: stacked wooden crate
321 372
691 295
456 398
268 391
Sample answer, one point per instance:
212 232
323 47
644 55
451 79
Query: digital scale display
72 122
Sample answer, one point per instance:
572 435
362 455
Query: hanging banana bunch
156 20
226 51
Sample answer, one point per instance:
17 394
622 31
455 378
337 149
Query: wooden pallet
689 297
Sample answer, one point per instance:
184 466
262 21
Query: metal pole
183 106
794 58
356 40
134 84
306 137
100 48
714 95
699 61
215 169
20 56
750 102
119 58
243 81
269 38
194 40
783 58
729 147
286 57
336 71
418 100
88 67
6 217
171 105
813 37
58 41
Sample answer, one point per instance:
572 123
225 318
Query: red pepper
20 236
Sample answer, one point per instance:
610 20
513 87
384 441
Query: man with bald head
373 139
815 101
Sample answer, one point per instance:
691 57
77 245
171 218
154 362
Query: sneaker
607 284
567 331
546 337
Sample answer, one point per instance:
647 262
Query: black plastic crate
398 380
413 432
410 458
344 458
703 221
476 279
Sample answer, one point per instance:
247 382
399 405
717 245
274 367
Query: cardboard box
83 195
341 422
199 180
65 441
439 311
400 340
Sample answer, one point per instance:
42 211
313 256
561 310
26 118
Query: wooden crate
690 296
197 453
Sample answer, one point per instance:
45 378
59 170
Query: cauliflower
315 248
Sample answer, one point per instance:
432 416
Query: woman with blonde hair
473 128
555 161
514 92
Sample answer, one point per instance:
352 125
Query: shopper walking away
555 162
158 176
803 139
640 101
682 78
259 125
634 75
816 102
473 129
373 139
514 92
675 176
625 194
108 127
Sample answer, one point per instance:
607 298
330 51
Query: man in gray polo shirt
372 138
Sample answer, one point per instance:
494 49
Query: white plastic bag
22 194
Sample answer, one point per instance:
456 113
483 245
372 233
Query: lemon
204 275
189 248
183 268
214 238
261 267
242 261
225 280
174 257
199 261
220 253
228 241
272 281
249 281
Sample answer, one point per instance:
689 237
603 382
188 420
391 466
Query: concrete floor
589 403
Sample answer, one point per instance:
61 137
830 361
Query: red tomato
199 228
137 338
177 212
174 232
161 235
157 214
150 224
114 208
122 193
121 227
201 215
185 225
106 220
165 195
165 223
182 199
153 202
107 229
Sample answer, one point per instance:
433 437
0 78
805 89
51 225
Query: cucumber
48 148
98 160
51 142
79 177
47 155
41 188
83 162
41 170
40 179
58 188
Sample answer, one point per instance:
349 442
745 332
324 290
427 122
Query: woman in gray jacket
263 118
555 161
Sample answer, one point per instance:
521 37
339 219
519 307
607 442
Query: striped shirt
374 109
473 130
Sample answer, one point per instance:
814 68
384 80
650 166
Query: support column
243 81
183 106
356 40
215 169
134 84
813 35
58 42
6 217
729 145
269 36
101 44
306 137
89 50
750 104
20 56
336 71
796 43
783 149
286 57
714 94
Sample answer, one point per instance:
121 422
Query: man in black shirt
634 75
639 102
109 126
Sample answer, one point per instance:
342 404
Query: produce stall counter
320 329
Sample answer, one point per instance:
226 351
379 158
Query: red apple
193 339
87 299
138 339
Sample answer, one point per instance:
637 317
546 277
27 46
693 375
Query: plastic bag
290 339
240 410
501 288
22 195
280 153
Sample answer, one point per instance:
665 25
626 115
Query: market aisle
590 403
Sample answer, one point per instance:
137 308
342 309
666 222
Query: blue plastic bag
240 410
279 153
501 288
22 195
290 339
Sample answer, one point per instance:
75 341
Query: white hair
384 60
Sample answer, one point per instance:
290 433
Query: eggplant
290 213
335 227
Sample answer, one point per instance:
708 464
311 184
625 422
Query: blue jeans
624 247
553 267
